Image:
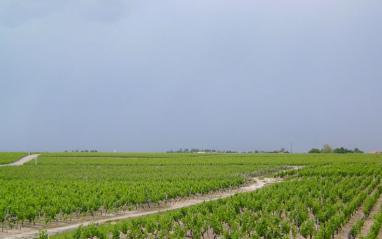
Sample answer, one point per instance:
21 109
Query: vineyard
73 186
331 196
10 157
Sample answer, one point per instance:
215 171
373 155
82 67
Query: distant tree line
196 150
343 150
282 150
327 149
83 151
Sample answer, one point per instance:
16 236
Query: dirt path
22 160
29 232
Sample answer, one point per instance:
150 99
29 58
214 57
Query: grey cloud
156 75
16 12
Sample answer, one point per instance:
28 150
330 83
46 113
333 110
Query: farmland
331 196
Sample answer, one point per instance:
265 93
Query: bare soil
358 214
370 219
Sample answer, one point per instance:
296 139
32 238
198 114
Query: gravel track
22 160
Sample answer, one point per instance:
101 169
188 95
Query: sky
156 75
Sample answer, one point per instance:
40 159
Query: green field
9 157
316 201
68 184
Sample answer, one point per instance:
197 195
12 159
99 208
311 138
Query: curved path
28 232
22 160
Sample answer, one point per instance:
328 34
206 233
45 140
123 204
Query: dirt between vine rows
358 214
60 227
370 219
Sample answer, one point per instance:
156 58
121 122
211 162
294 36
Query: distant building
375 152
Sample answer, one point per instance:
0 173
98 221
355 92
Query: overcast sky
156 75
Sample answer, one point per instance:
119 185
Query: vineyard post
7 223
5 218
318 223
297 216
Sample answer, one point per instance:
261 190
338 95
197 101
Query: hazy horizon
151 76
